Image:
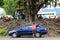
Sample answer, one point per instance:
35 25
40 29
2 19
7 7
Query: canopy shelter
47 12
57 11
2 12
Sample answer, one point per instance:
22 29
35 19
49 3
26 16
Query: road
49 38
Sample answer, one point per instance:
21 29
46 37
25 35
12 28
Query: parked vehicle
27 30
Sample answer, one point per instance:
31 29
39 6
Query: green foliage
10 6
22 4
3 32
1 3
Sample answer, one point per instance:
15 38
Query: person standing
17 13
20 17
34 29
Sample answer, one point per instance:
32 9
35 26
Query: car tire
14 35
38 35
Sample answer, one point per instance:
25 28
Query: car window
29 26
25 26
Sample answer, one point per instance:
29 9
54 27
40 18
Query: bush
3 32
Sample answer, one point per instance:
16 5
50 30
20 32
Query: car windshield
26 26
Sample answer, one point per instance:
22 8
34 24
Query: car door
23 31
28 30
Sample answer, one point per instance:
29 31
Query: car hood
41 28
13 30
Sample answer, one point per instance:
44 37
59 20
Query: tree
1 3
33 8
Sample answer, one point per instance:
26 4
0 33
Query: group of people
18 14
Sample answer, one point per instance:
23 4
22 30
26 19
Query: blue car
27 30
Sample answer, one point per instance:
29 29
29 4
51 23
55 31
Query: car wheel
38 35
14 35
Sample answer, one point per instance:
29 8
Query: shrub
3 32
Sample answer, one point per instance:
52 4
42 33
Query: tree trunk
34 9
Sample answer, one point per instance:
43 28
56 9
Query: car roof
27 26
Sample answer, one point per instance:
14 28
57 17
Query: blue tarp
48 10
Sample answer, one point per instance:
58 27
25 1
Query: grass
3 32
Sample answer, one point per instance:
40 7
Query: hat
17 9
